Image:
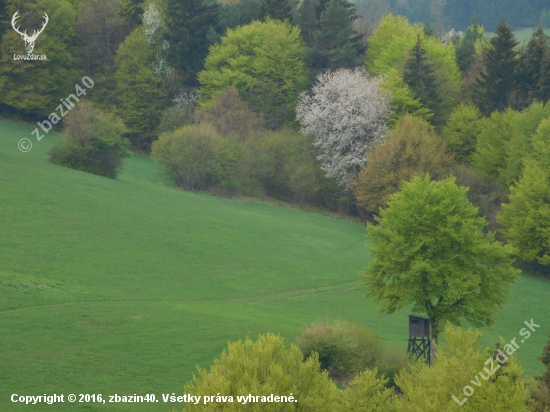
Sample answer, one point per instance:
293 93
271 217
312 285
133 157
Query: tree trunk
433 340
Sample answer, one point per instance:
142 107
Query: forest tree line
317 102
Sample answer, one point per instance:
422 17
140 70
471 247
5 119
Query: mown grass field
123 286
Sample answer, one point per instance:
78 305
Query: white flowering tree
346 113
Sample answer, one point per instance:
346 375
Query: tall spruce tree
275 9
420 77
531 63
189 23
336 44
307 20
496 85
544 81
466 49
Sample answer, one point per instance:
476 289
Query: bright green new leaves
526 218
264 61
389 48
391 30
429 251
462 129
459 363
367 393
505 140
262 368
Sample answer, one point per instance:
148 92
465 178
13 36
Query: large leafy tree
139 90
496 85
412 149
419 76
264 61
189 23
430 252
346 113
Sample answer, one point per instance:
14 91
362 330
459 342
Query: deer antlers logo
29 40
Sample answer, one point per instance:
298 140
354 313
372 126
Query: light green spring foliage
270 54
429 251
367 393
430 389
36 86
403 99
391 29
389 48
462 129
491 150
264 367
139 90
505 140
526 218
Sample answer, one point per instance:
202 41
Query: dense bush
263 368
343 349
197 157
413 149
231 116
91 141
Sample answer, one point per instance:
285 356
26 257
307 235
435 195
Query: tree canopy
429 251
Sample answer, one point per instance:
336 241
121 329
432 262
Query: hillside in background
123 286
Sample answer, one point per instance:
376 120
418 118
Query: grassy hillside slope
123 286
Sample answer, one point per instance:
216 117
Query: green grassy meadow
124 286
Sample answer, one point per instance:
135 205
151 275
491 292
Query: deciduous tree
412 149
264 61
461 131
346 113
429 252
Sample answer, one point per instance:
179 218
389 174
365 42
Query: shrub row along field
123 286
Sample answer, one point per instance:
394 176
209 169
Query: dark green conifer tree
497 84
466 49
544 81
133 10
275 9
531 63
335 44
189 23
307 21
420 77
